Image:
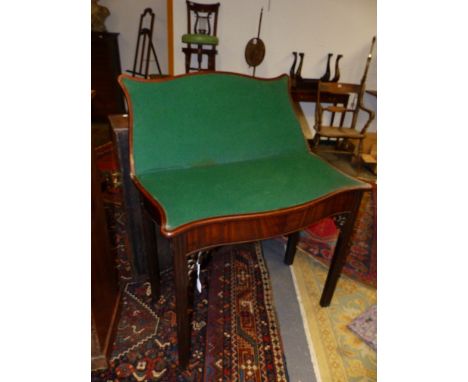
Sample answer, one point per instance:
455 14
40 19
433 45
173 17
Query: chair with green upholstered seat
231 167
201 39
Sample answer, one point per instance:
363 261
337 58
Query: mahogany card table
219 158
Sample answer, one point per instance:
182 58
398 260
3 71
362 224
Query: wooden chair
201 39
338 121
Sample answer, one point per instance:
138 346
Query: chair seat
253 186
200 39
336 132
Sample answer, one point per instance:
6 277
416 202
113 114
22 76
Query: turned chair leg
188 58
293 239
151 249
212 60
199 56
187 62
356 156
359 154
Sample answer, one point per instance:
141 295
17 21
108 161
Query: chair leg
212 60
293 239
357 155
188 56
317 140
337 143
199 56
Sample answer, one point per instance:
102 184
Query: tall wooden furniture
105 292
201 38
105 68
228 164
341 123
305 89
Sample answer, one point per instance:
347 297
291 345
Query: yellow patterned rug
338 354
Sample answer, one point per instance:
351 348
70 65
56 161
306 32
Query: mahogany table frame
213 232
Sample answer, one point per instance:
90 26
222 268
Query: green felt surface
201 120
200 39
252 186
217 144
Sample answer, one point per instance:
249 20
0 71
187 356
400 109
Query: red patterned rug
319 241
235 333
243 341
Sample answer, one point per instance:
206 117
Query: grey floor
298 358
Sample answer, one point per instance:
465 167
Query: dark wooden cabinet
305 90
105 291
105 68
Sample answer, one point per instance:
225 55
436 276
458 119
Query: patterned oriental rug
243 341
235 333
339 355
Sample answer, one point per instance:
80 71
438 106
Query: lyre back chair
339 122
201 37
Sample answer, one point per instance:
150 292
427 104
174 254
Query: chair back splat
201 37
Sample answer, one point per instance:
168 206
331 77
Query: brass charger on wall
255 49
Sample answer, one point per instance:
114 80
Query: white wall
124 19
315 27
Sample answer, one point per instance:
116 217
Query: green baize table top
220 144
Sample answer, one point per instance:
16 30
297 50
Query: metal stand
144 47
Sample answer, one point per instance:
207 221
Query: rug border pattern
150 336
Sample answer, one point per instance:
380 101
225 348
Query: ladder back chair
338 121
